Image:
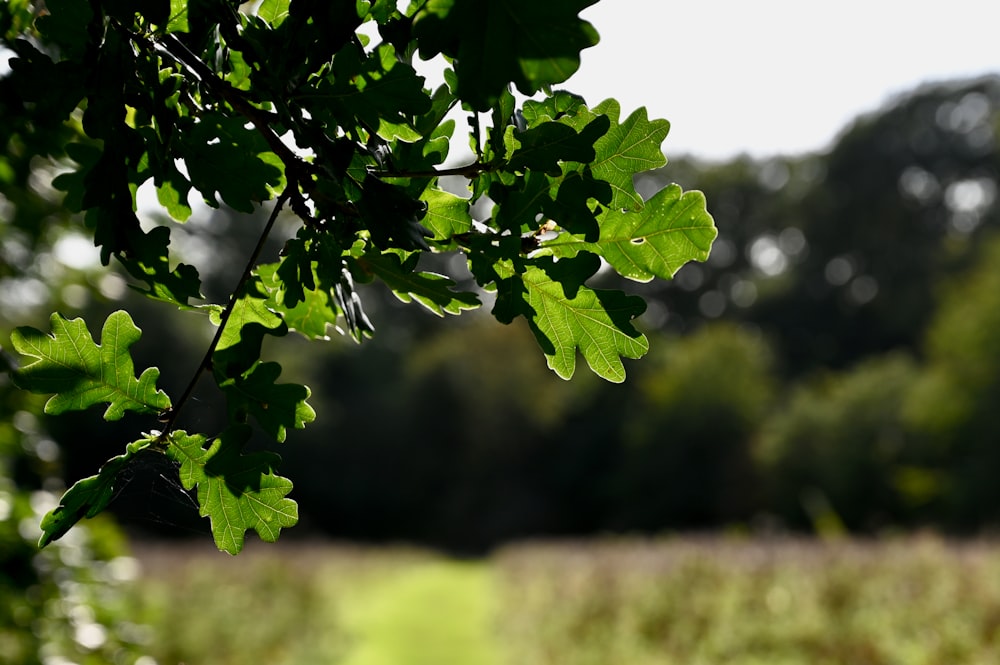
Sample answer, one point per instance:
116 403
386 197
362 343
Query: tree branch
298 171
260 118
470 171
206 361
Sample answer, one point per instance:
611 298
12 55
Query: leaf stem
206 361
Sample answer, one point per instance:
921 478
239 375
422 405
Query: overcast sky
777 76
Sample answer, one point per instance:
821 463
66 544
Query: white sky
776 76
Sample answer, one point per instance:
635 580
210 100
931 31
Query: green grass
315 605
428 614
913 601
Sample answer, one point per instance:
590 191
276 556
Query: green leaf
223 155
273 11
178 16
55 89
314 310
553 107
239 72
598 323
672 229
393 217
88 496
627 149
447 214
149 261
172 194
529 43
379 92
545 146
248 323
294 274
236 492
380 10
81 374
431 290
313 315
275 407
64 23
564 200
74 183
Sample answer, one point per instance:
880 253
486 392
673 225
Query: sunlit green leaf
552 107
447 214
597 323
88 496
273 11
314 310
81 374
313 315
236 491
627 149
672 229
172 195
178 16
248 323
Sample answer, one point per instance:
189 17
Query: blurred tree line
834 364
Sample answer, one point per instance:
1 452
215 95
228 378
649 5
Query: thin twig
470 171
235 98
262 119
206 361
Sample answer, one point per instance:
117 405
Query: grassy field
912 601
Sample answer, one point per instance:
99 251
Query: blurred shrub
836 445
953 406
686 435
65 604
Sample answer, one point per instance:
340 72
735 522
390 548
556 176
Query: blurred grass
427 614
905 602
908 601
311 604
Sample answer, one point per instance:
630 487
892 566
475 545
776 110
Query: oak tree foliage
316 107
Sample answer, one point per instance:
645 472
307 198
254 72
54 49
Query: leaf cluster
319 106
